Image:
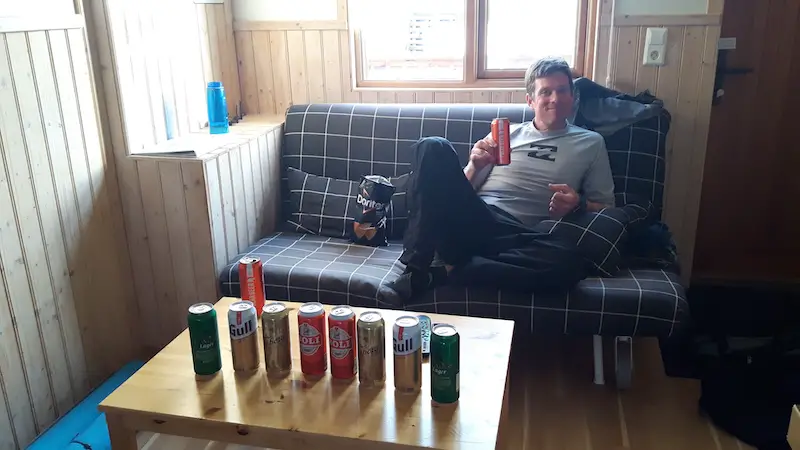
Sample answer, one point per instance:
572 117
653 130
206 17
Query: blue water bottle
217 108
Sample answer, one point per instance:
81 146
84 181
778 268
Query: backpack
750 384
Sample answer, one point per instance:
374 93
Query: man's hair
544 68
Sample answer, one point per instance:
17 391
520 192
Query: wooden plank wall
68 317
134 49
685 83
278 67
200 214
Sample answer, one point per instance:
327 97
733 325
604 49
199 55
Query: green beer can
445 363
204 336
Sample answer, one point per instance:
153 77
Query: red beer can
313 341
251 283
342 334
501 133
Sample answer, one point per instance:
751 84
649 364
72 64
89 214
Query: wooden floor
555 406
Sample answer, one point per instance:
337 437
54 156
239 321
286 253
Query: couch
327 148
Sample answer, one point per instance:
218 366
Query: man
480 220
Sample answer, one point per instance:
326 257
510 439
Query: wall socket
655 47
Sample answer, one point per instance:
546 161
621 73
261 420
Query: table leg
122 437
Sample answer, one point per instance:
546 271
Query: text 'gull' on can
243 325
407 343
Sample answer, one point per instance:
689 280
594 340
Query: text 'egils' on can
445 364
371 336
313 340
243 325
501 134
251 283
342 335
204 338
407 342
277 340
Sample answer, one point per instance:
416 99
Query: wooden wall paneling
387 97
199 232
265 82
295 48
239 201
158 241
121 135
111 269
66 230
21 248
349 93
228 205
694 175
45 249
683 127
314 66
280 71
667 84
371 96
180 243
22 372
204 42
247 72
334 84
462 97
406 97
216 214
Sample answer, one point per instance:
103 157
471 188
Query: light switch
655 47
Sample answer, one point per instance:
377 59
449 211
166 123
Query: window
463 43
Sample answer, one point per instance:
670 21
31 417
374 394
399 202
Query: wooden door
749 227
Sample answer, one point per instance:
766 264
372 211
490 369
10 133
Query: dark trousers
487 246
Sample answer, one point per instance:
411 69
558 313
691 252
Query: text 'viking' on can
371 335
277 339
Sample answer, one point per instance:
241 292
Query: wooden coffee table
164 396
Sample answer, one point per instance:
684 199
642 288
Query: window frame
475 73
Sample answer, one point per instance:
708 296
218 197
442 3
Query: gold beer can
243 325
407 343
277 340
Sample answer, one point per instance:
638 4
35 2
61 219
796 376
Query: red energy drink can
251 283
342 334
313 341
501 133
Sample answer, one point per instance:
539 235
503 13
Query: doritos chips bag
374 195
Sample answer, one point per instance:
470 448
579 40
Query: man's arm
598 184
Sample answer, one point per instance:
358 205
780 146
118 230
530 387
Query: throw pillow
327 206
599 236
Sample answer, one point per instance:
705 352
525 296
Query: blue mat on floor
84 426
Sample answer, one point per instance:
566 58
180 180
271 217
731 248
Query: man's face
552 100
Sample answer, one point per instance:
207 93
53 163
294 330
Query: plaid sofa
333 145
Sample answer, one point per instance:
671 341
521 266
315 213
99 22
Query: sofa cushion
600 236
303 267
326 206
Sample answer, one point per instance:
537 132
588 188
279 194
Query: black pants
487 246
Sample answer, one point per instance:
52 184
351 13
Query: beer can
342 335
501 133
243 324
445 363
204 338
425 327
251 282
407 343
371 335
277 340
313 341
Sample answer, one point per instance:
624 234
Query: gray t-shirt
573 156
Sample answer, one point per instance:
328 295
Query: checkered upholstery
305 267
347 141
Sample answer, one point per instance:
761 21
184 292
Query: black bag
750 384
374 197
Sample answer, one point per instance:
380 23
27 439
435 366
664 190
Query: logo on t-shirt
543 152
